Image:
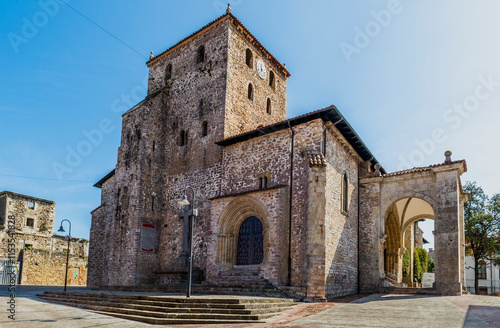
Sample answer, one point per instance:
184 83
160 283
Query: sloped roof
240 27
330 113
425 168
106 178
6 192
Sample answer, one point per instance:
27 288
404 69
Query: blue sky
414 78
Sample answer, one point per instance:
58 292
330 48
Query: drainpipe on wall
289 282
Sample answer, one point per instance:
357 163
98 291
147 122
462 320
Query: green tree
482 226
420 262
430 264
406 263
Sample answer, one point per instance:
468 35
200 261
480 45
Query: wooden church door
250 242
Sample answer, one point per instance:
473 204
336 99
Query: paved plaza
377 310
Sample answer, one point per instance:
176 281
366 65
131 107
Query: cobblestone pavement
375 310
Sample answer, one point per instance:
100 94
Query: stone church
299 202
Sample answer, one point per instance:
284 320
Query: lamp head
61 229
184 201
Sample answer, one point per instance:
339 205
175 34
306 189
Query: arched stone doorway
250 242
244 217
401 223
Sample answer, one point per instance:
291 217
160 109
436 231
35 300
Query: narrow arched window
344 195
204 129
250 91
249 58
271 79
201 54
168 72
264 183
268 107
481 270
183 138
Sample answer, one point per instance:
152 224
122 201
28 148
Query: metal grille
6 267
250 242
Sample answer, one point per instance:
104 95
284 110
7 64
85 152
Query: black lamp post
194 212
67 254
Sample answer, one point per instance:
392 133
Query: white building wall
492 281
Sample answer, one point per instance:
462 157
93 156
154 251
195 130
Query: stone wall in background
43 267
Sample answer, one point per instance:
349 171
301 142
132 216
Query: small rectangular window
31 205
30 222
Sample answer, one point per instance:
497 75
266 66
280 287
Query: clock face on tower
261 69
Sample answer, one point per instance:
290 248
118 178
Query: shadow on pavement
490 314
390 297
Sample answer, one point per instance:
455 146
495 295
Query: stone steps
407 290
174 310
178 308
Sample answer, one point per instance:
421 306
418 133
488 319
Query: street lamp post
67 254
194 213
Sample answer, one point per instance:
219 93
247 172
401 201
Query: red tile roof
240 27
424 169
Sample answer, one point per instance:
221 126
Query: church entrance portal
250 242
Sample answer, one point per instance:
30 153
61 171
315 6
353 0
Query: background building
33 237
488 276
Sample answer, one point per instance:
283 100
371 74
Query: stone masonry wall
245 161
153 167
243 114
42 267
341 229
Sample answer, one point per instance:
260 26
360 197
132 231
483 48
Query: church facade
302 201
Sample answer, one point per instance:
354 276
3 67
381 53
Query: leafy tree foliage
406 263
482 226
420 261
430 264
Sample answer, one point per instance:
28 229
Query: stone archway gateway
390 203
400 225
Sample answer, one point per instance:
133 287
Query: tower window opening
271 79
183 138
250 91
201 54
168 72
344 195
268 107
249 58
204 129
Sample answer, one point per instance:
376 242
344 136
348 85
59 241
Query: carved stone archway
235 213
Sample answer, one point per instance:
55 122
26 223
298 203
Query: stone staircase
163 310
239 281
407 290
392 281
